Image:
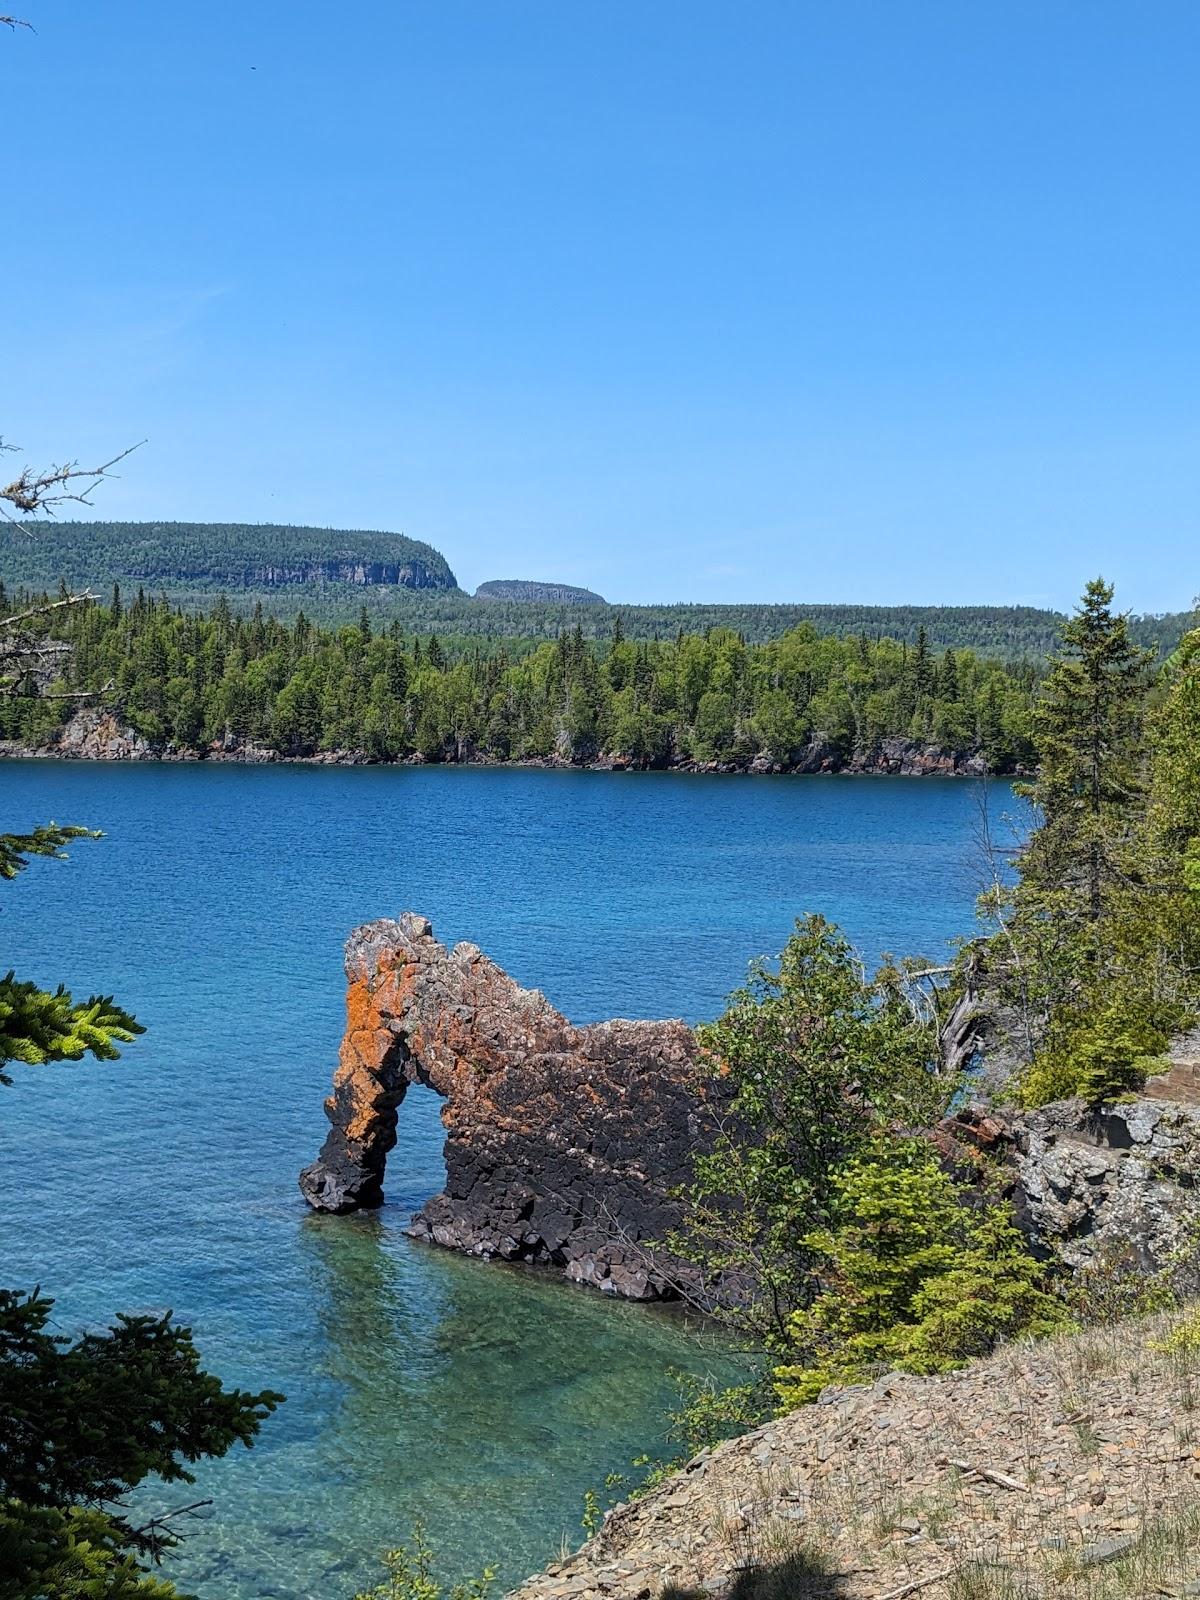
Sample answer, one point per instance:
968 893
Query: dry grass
1038 1557
1065 1470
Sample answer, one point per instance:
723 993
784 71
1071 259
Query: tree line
191 681
194 562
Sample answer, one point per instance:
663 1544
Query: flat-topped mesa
564 1144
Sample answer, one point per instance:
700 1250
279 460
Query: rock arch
564 1144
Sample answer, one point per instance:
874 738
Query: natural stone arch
565 1145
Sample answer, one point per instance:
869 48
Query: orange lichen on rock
564 1145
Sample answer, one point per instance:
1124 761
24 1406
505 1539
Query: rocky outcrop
563 1143
910 759
566 1145
94 735
89 735
413 574
1096 1187
1030 1474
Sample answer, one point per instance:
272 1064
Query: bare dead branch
16 22
47 608
28 662
31 491
11 692
168 1516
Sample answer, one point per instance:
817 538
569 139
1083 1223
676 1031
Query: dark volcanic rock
563 1144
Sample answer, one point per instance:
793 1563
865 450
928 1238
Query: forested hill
330 574
181 557
526 589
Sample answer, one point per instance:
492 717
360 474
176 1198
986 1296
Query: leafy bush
1102 1056
1183 1338
409 1576
807 1062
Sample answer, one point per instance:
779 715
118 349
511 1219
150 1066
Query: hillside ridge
215 555
538 592
331 574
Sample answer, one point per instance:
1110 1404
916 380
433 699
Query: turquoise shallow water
419 1384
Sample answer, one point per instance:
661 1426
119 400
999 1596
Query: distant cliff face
564 1145
558 594
404 574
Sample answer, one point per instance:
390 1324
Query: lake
483 1399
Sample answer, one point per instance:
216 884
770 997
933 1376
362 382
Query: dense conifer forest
194 680
330 574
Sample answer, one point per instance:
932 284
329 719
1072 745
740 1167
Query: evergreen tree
83 1422
1098 943
1088 722
915 1277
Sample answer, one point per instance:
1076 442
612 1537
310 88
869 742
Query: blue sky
841 301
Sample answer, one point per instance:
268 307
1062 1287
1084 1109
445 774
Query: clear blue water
481 1398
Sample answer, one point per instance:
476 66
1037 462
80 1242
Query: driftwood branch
990 1473
32 491
917 1584
168 1516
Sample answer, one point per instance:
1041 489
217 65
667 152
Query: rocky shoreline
567 1146
93 735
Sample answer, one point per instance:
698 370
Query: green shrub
809 1058
912 1278
1102 1055
408 1573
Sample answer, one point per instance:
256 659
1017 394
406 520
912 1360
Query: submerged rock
564 1144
